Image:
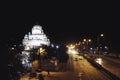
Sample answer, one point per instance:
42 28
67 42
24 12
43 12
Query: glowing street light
87 41
98 43
101 35
71 46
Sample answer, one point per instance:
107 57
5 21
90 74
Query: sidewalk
68 75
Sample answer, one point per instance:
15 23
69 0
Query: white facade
36 38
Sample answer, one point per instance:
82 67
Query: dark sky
61 21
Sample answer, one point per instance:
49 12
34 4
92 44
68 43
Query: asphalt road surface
84 70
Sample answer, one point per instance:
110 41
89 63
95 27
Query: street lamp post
98 44
87 42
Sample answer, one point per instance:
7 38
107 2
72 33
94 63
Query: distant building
35 39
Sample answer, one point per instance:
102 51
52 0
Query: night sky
61 22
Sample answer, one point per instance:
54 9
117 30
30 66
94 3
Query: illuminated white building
36 38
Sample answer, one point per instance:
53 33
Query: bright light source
91 48
12 48
72 51
27 48
99 60
72 46
57 46
101 35
36 39
52 45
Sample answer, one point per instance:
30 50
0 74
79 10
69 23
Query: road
111 64
85 70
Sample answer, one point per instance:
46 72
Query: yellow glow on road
72 51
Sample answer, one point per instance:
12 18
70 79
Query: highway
84 70
111 64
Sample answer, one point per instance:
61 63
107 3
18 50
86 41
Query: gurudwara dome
36 39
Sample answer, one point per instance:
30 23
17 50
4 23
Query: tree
62 56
